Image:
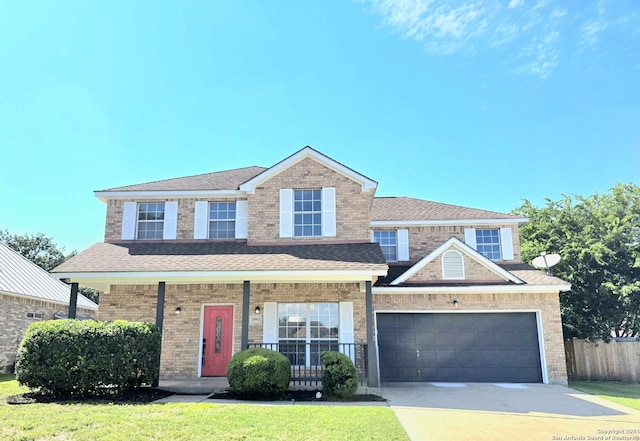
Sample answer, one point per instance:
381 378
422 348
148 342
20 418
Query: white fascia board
307 152
106 195
421 223
224 276
478 289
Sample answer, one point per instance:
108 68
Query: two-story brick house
302 257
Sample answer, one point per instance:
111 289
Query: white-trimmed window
488 243
452 265
222 220
388 241
35 315
393 243
306 329
150 221
307 213
493 243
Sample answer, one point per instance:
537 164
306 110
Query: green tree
598 238
38 248
42 251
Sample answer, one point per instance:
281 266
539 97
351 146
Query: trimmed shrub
259 373
87 357
340 377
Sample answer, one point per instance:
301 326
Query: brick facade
352 203
14 319
473 271
181 333
425 239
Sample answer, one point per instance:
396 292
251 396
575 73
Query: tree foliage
38 248
598 238
42 251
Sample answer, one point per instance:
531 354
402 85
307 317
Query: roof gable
308 152
23 278
467 251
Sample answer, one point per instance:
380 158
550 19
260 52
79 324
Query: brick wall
181 333
472 271
353 205
423 240
548 304
13 316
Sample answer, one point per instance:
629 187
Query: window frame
300 211
211 222
309 358
376 239
156 221
483 244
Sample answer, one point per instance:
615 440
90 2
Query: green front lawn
622 393
73 421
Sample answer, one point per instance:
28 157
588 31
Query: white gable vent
452 265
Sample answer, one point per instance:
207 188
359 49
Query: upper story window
488 243
388 241
222 220
307 213
150 220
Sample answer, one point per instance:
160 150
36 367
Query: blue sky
479 103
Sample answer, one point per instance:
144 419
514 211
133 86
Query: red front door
217 340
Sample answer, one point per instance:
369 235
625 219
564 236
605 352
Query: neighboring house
28 294
302 257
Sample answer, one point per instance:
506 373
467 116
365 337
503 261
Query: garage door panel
425 339
489 347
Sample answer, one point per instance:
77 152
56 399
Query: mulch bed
298 395
138 396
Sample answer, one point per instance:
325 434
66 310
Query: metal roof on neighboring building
19 276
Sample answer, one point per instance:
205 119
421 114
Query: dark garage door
461 347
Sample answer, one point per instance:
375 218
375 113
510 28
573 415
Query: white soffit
308 152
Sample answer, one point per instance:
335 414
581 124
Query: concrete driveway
454 411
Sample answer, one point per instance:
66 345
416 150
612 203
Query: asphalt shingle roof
223 256
409 209
20 276
222 180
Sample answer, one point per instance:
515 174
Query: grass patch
180 421
627 394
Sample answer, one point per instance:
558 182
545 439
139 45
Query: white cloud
589 32
529 34
515 4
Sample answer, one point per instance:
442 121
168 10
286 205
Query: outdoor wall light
178 310
455 303
257 310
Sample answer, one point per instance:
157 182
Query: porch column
372 355
73 301
159 322
160 305
246 297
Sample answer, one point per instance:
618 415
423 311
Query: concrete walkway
470 411
507 412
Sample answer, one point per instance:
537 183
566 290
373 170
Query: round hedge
259 372
339 375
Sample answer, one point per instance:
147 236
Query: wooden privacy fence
613 361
